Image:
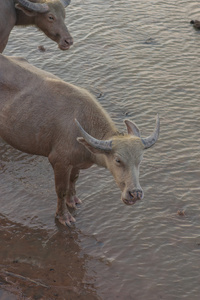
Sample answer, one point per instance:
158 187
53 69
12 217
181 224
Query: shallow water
138 58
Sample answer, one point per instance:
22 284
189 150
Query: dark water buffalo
47 15
41 114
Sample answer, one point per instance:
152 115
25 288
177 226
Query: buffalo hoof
77 200
73 201
66 219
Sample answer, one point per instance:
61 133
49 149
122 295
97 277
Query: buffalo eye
117 160
51 18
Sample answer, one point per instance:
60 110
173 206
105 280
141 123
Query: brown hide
25 91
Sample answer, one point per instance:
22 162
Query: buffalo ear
132 128
93 150
26 11
65 2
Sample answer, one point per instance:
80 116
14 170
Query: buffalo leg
72 199
62 183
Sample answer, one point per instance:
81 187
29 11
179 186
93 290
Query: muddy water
138 58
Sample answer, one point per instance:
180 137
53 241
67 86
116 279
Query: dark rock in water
181 213
41 48
195 23
150 41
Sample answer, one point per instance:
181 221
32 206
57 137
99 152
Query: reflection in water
139 58
43 264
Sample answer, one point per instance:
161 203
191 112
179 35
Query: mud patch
36 265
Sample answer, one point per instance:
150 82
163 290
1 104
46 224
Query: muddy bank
36 264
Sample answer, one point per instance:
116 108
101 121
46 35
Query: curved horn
105 145
65 2
150 141
37 7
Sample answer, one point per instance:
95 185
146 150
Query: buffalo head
122 155
48 16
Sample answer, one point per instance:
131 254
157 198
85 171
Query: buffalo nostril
69 42
136 194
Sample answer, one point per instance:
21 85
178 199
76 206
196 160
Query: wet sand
34 265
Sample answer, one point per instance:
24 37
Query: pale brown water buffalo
47 15
41 114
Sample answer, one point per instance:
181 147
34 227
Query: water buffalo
43 115
47 15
